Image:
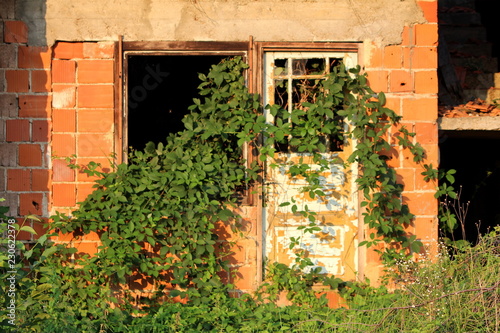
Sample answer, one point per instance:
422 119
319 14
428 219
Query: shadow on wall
25 108
32 12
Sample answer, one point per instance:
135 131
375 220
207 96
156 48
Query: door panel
334 247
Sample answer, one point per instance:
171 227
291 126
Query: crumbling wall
265 20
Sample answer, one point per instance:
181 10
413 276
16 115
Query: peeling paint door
334 248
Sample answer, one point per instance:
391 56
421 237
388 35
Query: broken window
294 78
160 82
160 88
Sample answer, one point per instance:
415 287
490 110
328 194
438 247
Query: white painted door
334 247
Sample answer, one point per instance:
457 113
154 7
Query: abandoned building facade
87 79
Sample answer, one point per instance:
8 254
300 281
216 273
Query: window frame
290 75
164 48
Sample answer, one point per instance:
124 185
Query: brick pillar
407 74
25 121
83 124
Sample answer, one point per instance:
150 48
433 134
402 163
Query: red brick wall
82 118
25 104
407 73
59 102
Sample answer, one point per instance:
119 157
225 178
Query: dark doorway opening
488 9
160 88
476 158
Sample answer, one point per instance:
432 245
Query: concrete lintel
470 124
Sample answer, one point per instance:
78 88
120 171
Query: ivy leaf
28 229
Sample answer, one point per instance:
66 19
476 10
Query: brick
89 248
426 228
406 177
63 120
430 10
103 161
393 56
8 105
40 81
15 32
243 252
64 195
67 50
34 106
63 145
375 56
407 37
244 277
17 130
94 145
61 172
407 57
426 34
40 227
83 191
392 157
426 82
431 153
63 96
372 256
40 131
426 133
40 180
95 96
334 299
8 155
394 103
18 180
95 120
420 109
99 50
378 80
17 80
63 71
95 71
401 81
30 203
421 184
421 203
30 155
34 57
8 55
408 159
424 57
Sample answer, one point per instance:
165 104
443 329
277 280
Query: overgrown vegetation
156 216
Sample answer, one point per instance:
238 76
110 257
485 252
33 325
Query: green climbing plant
156 216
